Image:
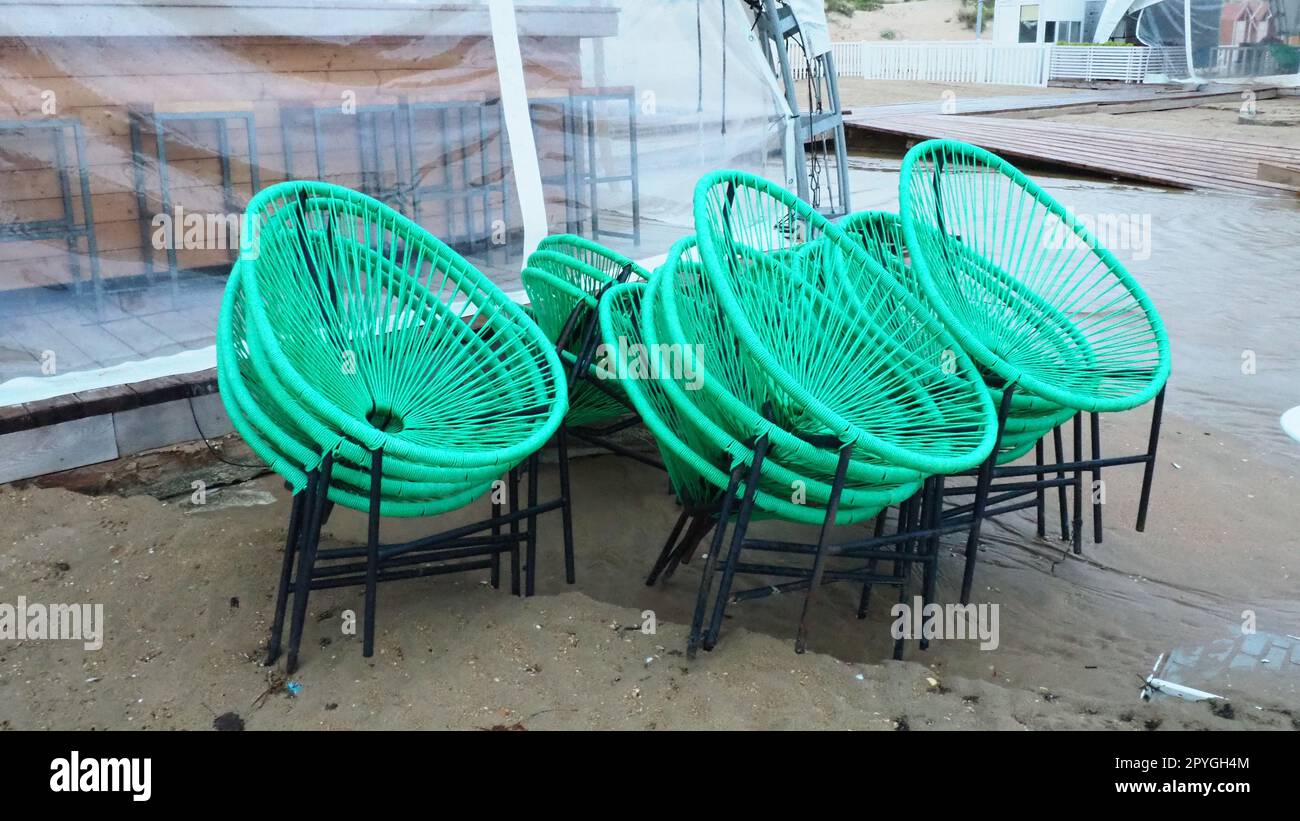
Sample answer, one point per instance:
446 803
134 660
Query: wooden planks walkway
1145 156
1129 98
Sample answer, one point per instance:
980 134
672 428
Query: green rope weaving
729 390
810 469
278 439
607 261
557 284
1027 290
1029 418
700 473
388 338
843 348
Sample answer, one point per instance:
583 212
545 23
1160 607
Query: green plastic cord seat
812 468
728 390
1029 417
277 437
699 470
607 261
348 328
555 286
1025 287
837 345
567 270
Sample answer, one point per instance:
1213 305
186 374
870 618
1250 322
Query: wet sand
188 593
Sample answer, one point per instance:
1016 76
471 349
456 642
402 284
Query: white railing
1127 63
939 62
1027 64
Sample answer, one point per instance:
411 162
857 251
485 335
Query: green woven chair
1029 418
1027 289
564 278
563 308
849 353
279 438
373 367
1034 299
710 471
684 311
610 263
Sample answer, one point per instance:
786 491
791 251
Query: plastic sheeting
1223 39
134 132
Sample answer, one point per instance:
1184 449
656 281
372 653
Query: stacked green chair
564 279
881 234
373 367
1047 313
843 398
711 471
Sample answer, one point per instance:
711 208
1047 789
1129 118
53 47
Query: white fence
1028 64
1127 63
1016 65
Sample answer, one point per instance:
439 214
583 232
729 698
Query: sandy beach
188 592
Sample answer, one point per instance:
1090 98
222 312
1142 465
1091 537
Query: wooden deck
1112 100
1145 156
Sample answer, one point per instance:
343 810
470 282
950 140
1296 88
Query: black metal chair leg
513 500
737 543
670 547
710 562
1076 531
372 552
699 528
930 576
286 570
1148 472
902 565
864 601
823 543
981 496
495 571
566 512
1040 506
307 560
1062 500
530 564
1097 495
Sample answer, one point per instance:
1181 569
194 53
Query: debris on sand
228 722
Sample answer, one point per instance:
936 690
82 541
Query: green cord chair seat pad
278 439
857 352
608 263
730 391
292 454
1029 417
553 301
700 480
973 222
813 471
280 414
389 337
881 233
